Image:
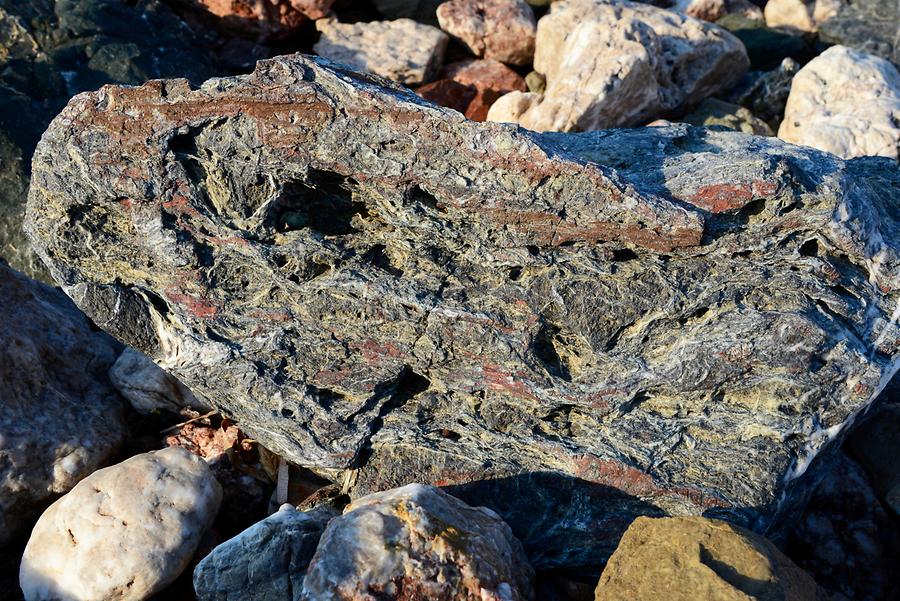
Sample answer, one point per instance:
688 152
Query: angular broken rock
612 64
662 320
60 418
403 50
418 542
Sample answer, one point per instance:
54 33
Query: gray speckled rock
570 329
418 542
60 419
614 64
402 50
125 532
266 562
868 25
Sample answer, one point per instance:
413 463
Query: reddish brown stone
499 29
314 9
472 86
258 18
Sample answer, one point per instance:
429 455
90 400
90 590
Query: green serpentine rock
571 329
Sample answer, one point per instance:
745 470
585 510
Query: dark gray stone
266 562
60 418
651 321
870 25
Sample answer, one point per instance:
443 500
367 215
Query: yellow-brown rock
692 558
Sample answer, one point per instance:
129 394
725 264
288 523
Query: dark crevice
419 196
810 248
697 314
624 254
379 258
323 203
544 347
614 339
515 273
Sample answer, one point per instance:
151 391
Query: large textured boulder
266 562
846 102
688 558
402 50
611 64
50 50
60 419
501 30
124 532
417 542
570 329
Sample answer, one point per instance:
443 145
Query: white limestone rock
613 64
125 532
846 102
148 387
418 542
402 50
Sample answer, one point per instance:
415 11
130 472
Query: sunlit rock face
569 329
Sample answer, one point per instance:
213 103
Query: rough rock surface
868 25
263 19
661 320
52 49
418 542
502 30
124 532
472 86
266 562
402 50
148 388
846 539
713 10
798 14
690 558
621 64
713 112
60 419
846 102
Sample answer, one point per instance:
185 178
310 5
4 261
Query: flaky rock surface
403 50
662 320
614 64
60 419
846 102
688 558
124 532
418 542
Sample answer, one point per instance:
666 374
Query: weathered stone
60 419
713 10
660 320
846 102
845 538
417 542
766 93
266 562
689 558
263 19
148 388
619 64
401 50
799 14
471 87
867 25
50 50
713 112
124 532
536 82
502 30
768 47
314 9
